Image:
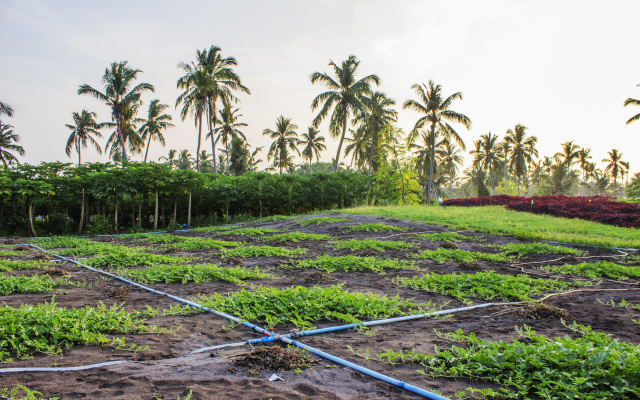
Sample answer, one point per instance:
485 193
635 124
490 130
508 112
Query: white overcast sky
562 68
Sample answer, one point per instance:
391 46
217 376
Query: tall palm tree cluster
8 139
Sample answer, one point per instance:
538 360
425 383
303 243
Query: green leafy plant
192 273
322 220
20 392
304 306
374 227
351 263
47 328
446 237
31 284
485 285
57 242
371 244
591 366
596 270
12 265
523 249
10 253
262 251
132 258
442 255
296 237
251 231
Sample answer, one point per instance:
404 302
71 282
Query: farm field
292 275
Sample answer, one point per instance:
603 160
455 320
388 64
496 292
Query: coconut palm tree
85 126
118 94
346 95
569 155
583 160
313 145
436 114
8 145
196 83
284 138
185 160
632 102
614 165
6 109
451 157
228 129
170 158
358 145
523 151
488 157
128 133
223 81
377 117
155 123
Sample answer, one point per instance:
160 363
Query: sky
561 68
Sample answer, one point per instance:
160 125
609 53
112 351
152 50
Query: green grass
485 285
591 366
31 284
192 273
523 249
499 221
371 244
596 270
47 328
446 237
321 220
305 306
296 237
352 263
12 265
374 227
262 251
132 259
442 255
251 231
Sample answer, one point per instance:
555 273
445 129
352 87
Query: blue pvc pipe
364 370
179 299
595 247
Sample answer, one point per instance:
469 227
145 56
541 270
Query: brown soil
163 372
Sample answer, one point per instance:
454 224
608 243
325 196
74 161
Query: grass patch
374 227
262 251
523 249
485 285
192 273
371 244
304 306
591 366
446 237
596 270
499 221
297 237
132 259
352 263
31 284
442 255
322 220
251 231
12 265
47 328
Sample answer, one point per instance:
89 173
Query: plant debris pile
275 358
543 311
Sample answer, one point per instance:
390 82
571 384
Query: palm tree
85 126
284 137
377 117
117 81
583 160
228 129
196 83
451 157
632 102
8 145
222 82
488 156
170 158
569 155
358 145
614 165
185 160
347 94
313 143
523 151
206 162
155 123
6 109
436 114
128 132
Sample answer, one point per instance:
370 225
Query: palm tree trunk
212 124
81 214
155 216
401 176
124 149
33 231
344 131
79 151
518 185
493 185
371 156
199 138
451 188
226 150
147 151
432 147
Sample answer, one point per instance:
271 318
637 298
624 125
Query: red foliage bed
596 208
